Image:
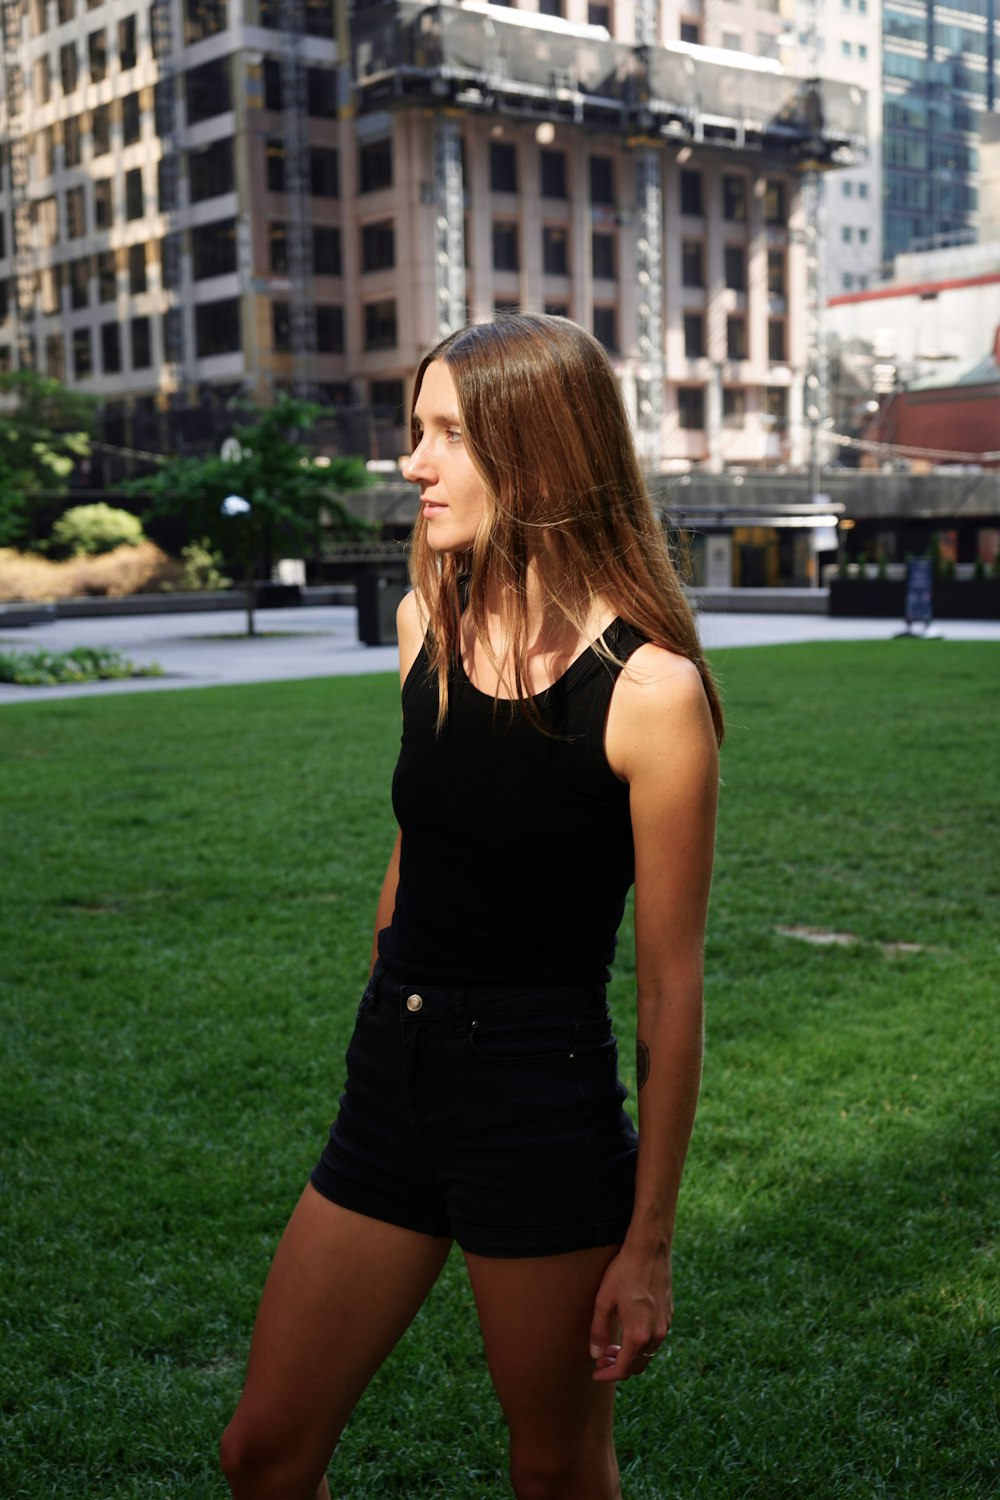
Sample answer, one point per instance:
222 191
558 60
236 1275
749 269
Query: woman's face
452 495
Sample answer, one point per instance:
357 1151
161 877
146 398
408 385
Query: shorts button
414 1002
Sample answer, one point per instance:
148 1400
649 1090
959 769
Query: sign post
918 608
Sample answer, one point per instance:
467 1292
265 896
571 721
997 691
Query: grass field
188 880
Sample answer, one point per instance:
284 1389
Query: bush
201 569
86 530
127 570
82 664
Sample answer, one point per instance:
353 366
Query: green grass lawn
188 881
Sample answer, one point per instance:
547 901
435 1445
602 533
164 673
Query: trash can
380 589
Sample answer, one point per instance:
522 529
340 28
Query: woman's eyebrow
441 419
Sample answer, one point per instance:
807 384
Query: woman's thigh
341 1291
535 1315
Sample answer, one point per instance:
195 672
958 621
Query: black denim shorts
492 1116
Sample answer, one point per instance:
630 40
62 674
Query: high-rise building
209 199
941 72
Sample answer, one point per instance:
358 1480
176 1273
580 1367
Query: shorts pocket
505 1039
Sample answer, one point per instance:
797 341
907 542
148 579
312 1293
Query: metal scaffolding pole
449 225
174 341
298 224
19 215
649 268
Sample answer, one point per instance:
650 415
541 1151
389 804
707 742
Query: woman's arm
410 626
660 739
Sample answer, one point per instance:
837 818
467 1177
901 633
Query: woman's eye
454 436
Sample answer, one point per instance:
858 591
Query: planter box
885 598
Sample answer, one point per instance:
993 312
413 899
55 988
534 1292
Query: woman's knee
259 1463
570 1476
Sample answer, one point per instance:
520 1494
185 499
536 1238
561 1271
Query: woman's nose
414 468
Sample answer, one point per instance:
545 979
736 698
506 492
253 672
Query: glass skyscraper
941 69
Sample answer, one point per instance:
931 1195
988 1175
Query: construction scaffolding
165 52
19 213
297 186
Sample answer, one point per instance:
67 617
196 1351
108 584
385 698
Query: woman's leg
341 1291
535 1315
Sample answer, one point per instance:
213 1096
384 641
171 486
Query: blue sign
918 609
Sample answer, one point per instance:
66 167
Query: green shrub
85 530
201 569
82 664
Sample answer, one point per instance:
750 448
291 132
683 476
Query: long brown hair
545 425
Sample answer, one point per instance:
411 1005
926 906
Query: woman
559 736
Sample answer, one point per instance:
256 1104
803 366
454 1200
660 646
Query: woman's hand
634 1304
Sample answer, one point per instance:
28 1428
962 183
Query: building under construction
205 201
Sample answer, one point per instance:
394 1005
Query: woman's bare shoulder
411 627
658 702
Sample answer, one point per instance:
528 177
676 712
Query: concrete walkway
208 650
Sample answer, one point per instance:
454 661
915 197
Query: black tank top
516 853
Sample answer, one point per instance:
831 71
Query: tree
44 432
286 490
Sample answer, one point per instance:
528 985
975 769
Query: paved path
206 650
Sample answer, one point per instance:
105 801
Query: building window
324 172
505 247
550 7
100 129
126 43
863 236
602 180
388 394
776 273
775 207
862 190
602 256
863 51
83 361
111 349
691 407
275 165
552 166
321 93
734 406
55 356
375 166
217 328
131 120
107 276
51 288
691 32
204 18
136 269
556 309
776 404
277 238
692 263
134 203
97 55
847 188
72 141
847 281
606 328
378 246
776 343
210 171
503 167
691 203
694 335
846 233
213 249
79 283
736 338
329 329
734 198
141 344
380 324
272 85
599 15
281 328
65 11
845 49
736 268
208 90
555 251
76 213
326 250
69 67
